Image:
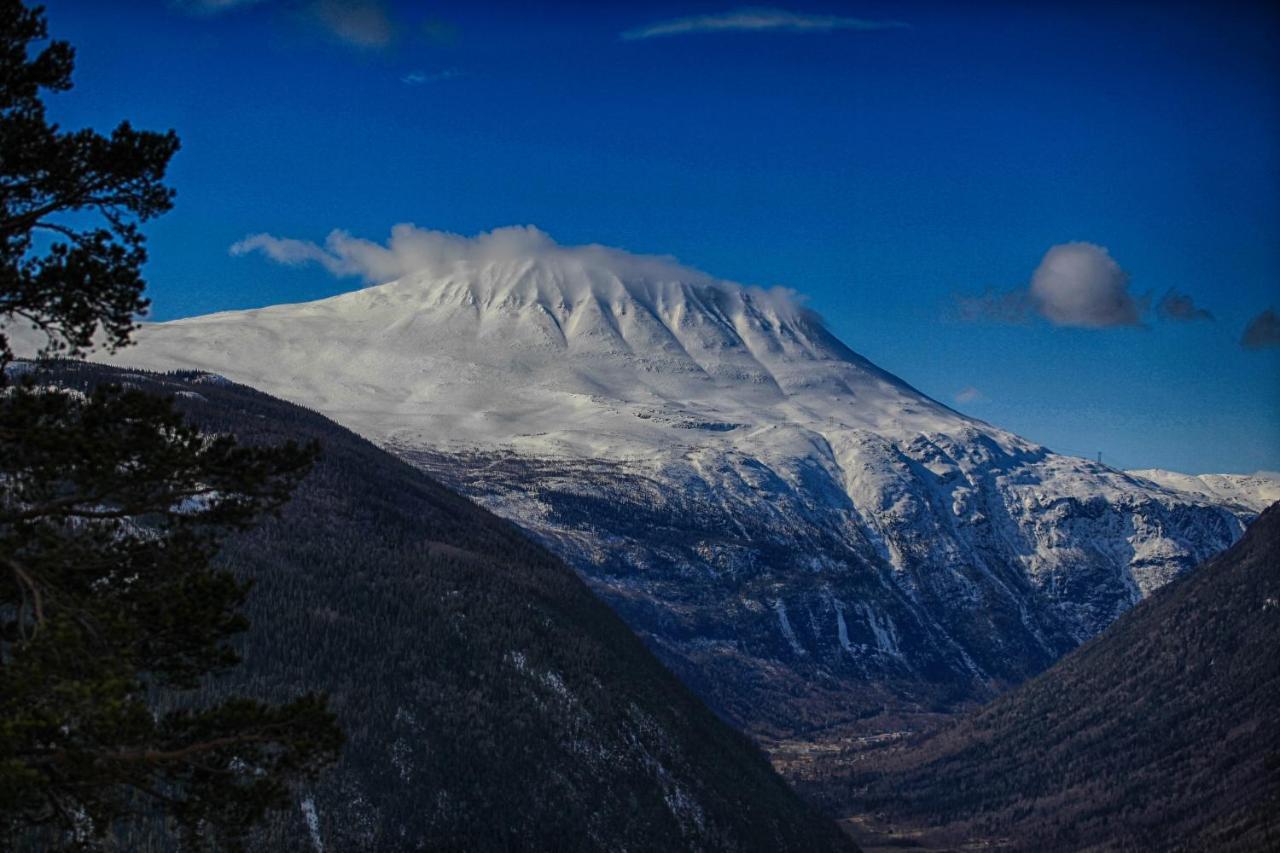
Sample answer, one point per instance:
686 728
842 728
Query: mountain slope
491 702
1160 734
803 537
1252 491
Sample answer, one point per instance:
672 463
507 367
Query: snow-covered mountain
1255 491
802 536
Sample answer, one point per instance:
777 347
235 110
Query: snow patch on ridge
312 818
842 630
785 624
1256 491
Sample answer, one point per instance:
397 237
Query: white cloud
1080 284
970 395
757 20
212 7
411 249
1076 284
286 251
419 78
363 23
439 253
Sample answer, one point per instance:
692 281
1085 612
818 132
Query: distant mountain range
805 539
1255 492
1161 734
490 701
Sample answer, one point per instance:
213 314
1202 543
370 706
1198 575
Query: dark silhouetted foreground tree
111 509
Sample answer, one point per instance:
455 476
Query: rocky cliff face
1160 734
802 536
792 609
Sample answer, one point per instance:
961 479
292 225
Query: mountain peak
522 267
660 426
509 336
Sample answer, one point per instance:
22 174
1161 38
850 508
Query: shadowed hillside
1163 733
490 701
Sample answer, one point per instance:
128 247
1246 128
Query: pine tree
112 508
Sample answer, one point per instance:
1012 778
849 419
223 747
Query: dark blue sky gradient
879 172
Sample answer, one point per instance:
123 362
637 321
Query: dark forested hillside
1163 733
490 701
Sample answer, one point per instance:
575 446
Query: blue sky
890 160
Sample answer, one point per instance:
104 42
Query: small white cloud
970 395
1079 284
212 7
419 78
757 20
362 23
283 250
1076 284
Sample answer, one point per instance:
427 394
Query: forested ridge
490 702
1161 734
